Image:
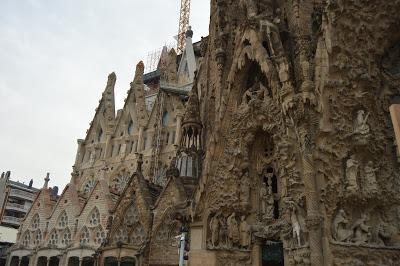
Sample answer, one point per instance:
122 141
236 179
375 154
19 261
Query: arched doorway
42 261
128 261
272 254
88 261
111 261
73 261
54 261
14 261
24 261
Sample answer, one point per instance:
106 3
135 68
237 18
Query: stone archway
54 261
73 261
128 261
87 261
14 261
110 261
24 261
42 261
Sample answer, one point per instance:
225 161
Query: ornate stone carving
370 184
361 231
352 166
340 224
245 234
233 231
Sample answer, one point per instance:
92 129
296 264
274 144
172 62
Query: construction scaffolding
183 25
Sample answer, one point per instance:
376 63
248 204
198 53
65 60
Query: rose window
120 183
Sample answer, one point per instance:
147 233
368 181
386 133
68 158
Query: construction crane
183 24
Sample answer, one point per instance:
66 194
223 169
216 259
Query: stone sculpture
233 230
245 189
215 230
361 231
361 126
244 233
352 174
339 227
370 184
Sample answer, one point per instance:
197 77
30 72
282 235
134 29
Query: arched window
132 216
165 118
38 238
89 185
94 217
63 220
26 241
53 240
35 222
85 236
131 127
67 237
121 235
100 236
138 235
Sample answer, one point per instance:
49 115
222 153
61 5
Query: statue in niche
371 186
351 174
245 189
339 227
215 229
267 202
256 91
245 238
233 230
223 231
361 230
361 127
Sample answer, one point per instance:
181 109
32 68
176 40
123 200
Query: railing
21 193
17 206
11 219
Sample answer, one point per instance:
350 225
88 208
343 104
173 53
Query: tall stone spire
138 89
108 100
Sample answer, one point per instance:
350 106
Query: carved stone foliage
167 233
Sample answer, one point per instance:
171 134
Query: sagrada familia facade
274 141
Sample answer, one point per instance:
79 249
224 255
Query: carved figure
214 227
361 127
251 8
245 189
351 174
361 230
233 230
263 198
371 186
244 233
297 218
339 227
223 237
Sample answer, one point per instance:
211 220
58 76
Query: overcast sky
55 56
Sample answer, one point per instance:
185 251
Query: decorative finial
46 180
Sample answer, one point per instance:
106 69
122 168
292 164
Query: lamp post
182 246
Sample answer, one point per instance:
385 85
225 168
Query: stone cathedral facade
285 150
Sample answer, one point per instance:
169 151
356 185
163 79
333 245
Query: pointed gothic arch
53 238
62 220
66 237
84 236
93 219
37 237
35 222
99 235
26 239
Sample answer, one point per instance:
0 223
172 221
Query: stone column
178 129
19 261
47 261
80 261
313 219
139 146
